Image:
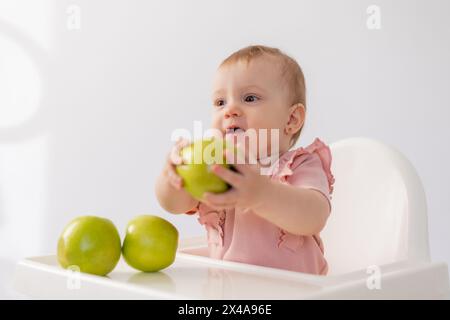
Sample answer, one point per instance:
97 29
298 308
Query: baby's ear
296 119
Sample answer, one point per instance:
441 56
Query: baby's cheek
216 121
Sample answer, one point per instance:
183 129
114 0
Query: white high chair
379 213
376 243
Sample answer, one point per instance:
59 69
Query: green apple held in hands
90 243
195 170
150 243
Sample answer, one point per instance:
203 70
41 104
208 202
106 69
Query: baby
274 219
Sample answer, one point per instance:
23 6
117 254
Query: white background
86 114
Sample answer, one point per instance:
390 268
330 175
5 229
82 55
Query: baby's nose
232 111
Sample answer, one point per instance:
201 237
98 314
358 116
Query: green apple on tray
92 244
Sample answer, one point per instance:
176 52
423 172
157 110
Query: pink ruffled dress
242 236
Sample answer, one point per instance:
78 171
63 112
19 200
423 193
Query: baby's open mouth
234 130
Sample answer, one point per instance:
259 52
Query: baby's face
251 97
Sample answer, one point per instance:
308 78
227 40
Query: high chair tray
193 276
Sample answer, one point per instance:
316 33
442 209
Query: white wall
86 115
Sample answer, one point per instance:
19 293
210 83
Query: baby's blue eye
251 98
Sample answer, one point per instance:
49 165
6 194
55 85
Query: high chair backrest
379 213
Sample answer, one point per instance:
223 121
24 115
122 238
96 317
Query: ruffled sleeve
213 220
308 167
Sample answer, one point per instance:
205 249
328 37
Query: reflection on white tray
197 277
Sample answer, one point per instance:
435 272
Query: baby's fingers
174 179
175 157
181 143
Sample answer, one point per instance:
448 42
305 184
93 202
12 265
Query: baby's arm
297 210
168 188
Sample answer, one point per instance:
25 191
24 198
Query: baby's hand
249 185
174 159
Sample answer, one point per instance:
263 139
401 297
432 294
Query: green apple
90 243
195 170
150 243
